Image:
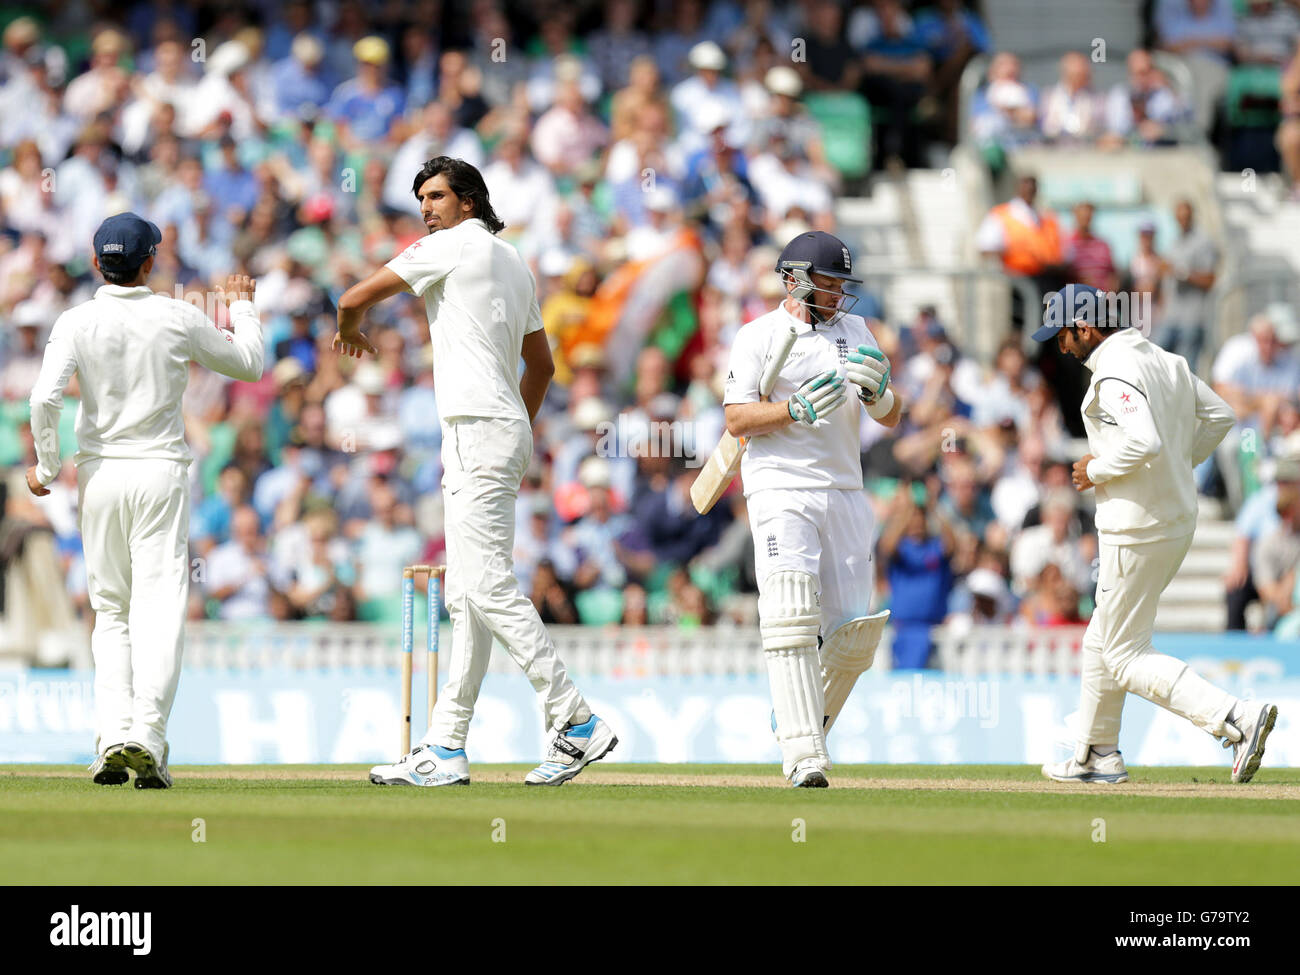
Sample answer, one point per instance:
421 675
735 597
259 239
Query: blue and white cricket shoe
809 775
1108 769
425 765
572 750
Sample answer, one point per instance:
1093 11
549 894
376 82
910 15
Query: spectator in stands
1073 111
896 72
1191 266
952 35
1146 270
366 107
915 550
1004 112
1023 239
211 521
785 117
1257 518
1202 32
705 97
522 191
1288 132
830 63
981 599
567 134
1274 560
1145 109
1052 600
1255 384
105 84
237 573
386 544
1266 33
1056 540
550 597
1087 255
301 78
617 44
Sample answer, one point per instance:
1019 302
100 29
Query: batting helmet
818 252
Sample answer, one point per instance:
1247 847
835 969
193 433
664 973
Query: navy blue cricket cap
1072 304
818 252
125 240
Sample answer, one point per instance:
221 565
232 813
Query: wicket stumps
435 574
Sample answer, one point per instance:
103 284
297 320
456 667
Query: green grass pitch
657 824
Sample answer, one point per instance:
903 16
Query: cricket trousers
823 536
1117 655
484 460
135 516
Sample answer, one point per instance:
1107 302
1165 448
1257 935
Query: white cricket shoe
1098 768
809 775
109 767
1249 751
425 765
572 750
149 772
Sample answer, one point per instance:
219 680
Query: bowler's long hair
466 182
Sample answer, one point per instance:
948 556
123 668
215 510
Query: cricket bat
724 463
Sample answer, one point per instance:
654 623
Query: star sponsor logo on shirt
1129 407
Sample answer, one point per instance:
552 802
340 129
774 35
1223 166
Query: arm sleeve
534 315
744 371
426 262
237 353
1214 418
57 367
1129 408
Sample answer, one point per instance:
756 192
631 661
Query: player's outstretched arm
238 353
349 339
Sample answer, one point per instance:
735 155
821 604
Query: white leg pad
789 621
846 655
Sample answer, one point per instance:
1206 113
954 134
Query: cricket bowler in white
1150 420
131 351
813 526
483 315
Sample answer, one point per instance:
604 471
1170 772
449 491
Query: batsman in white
131 351
483 315
802 470
1150 420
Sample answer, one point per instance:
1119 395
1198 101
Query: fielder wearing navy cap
125 241
1073 304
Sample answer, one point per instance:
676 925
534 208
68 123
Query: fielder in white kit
813 526
131 351
1150 420
483 315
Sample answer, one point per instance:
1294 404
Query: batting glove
869 369
818 397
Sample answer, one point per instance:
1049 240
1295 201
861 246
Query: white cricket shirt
131 351
481 301
825 455
1149 421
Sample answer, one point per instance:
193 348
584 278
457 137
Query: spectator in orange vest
1026 241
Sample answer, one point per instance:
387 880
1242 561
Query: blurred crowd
1238 85
649 160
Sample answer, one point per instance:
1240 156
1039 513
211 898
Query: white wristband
881 407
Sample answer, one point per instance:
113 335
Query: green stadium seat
1254 93
598 607
845 119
